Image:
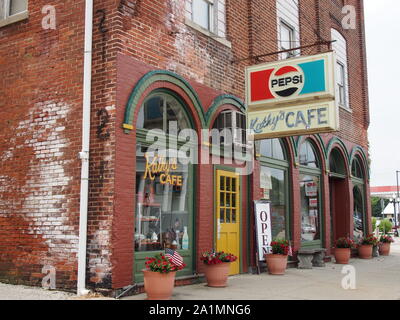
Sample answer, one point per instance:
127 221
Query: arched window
307 156
356 169
275 185
272 148
164 184
336 163
235 122
310 195
162 111
359 211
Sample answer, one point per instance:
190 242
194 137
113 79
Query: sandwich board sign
262 212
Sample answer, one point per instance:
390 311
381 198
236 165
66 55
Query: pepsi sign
292 97
291 81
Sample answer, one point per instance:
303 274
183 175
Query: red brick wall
40 120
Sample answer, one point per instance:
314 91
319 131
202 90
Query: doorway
228 216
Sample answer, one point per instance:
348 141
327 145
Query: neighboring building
384 192
155 62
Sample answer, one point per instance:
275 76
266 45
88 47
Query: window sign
311 189
162 208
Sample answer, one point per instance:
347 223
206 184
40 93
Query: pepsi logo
287 81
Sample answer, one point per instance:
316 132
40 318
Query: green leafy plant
385 226
373 223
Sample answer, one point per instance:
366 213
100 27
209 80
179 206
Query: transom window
308 155
163 111
10 8
356 169
235 122
336 163
272 148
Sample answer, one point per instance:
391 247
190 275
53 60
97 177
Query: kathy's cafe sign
292 97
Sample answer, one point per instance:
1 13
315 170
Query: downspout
84 154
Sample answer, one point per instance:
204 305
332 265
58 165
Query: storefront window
274 184
358 213
162 214
310 196
310 217
164 183
358 198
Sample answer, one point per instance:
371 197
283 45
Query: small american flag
290 253
174 256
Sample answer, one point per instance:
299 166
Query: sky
382 23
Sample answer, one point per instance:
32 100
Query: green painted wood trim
154 76
221 100
359 150
329 148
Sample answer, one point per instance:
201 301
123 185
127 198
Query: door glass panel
233 216
222 199
228 184
228 200
234 200
234 185
222 215
228 215
222 183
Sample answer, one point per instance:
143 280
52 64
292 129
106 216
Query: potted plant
217 267
343 248
384 245
159 277
277 260
365 246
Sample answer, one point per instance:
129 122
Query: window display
162 214
310 217
273 184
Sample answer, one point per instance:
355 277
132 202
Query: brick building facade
158 49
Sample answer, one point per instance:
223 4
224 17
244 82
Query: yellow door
228 215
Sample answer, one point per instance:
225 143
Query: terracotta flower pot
365 251
276 263
158 286
217 274
342 255
384 249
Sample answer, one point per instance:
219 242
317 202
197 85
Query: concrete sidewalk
376 279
